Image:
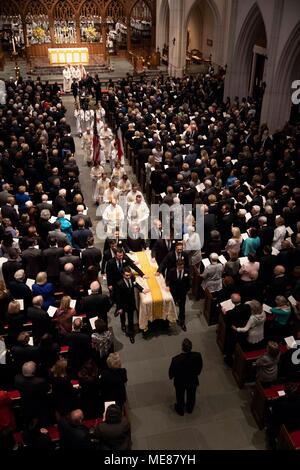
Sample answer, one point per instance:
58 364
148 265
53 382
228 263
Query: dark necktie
119 265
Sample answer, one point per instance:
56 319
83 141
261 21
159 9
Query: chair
197 56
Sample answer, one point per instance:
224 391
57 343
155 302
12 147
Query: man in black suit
91 256
60 203
51 257
41 322
96 304
81 215
81 235
80 348
32 260
68 281
135 240
108 254
185 369
34 396
9 212
238 316
172 258
116 266
73 434
12 265
265 232
155 233
161 248
19 289
267 264
23 352
226 221
179 283
69 258
125 300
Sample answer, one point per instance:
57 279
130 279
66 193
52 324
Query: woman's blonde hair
13 307
41 278
65 302
236 233
60 368
114 361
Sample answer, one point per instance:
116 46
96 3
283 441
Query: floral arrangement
39 34
91 33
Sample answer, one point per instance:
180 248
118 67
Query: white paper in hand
30 283
92 322
30 342
21 302
245 236
51 311
222 259
281 393
248 216
200 187
292 300
73 303
2 352
106 405
291 342
243 260
227 305
267 308
52 219
205 262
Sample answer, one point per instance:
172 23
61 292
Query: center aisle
222 417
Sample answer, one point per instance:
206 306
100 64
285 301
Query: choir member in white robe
138 213
96 173
87 146
124 185
67 79
101 185
106 137
113 217
79 116
82 72
117 172
111 192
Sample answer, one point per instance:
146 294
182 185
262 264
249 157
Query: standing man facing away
184 369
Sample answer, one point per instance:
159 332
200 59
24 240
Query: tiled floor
222 417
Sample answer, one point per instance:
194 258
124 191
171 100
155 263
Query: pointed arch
163 24
34 8
287 70
213 10
63 10
252 30
10 8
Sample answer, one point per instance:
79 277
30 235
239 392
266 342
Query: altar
68 55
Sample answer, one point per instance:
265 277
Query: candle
13 44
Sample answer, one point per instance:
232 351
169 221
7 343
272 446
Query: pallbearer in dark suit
135 240
179 283
125 299
184 369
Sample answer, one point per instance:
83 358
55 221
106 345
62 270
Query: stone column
230 71
177 40
273 95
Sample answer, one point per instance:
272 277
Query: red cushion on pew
53 433
252 355
271 393
14 394
64 349
295 438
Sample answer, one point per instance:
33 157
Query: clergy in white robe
67 79
87 146
106 137
101 185
138 213
113 217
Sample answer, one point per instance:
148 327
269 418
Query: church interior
176 102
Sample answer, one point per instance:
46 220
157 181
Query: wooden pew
211 309
288 440
260 399
221 332
243 370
